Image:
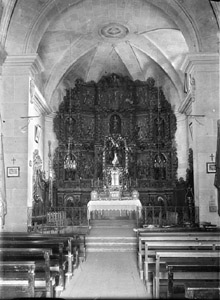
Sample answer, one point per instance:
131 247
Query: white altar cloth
129 205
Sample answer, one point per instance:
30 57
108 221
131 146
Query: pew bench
17 280
150 261
68 249
74 245
58 262
42 260
176 233
196 265
170 245
202 290
75 241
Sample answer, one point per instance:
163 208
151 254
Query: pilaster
201 106
21 112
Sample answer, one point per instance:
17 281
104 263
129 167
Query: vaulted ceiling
92 38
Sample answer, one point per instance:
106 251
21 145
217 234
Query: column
22 134
202 109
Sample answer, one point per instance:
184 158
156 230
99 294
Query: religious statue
115 124
115 159
115 176
70 126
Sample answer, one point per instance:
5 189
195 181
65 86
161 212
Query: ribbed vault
89 39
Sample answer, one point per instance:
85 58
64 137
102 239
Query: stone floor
107 274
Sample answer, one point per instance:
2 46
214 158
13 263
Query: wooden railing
170 215
150 215
57 217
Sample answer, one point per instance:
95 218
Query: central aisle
107 275
108 272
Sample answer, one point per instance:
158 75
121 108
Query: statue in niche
88 168
115 124
70 126
141 131
115 159
115 176
159 128
160 166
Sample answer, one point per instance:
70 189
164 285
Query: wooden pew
57 258
142 240
41 258
202 290
170 245
162 257
17 279
180 234
201 267
75 241
171 230
68 248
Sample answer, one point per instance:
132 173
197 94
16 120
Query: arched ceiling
92 38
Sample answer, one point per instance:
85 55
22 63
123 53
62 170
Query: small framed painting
13 171
210 167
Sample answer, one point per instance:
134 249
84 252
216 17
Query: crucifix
13 160
212 156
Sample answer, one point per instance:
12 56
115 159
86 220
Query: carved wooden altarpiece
92 114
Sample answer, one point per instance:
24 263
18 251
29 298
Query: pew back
17 279
205 274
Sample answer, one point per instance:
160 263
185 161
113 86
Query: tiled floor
107 275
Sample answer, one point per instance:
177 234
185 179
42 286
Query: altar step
113 223
111 236
111 244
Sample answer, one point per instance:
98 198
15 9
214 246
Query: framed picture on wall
210 167
13 171
37 133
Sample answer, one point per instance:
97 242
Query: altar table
119 205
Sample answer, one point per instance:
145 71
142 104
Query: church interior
110 148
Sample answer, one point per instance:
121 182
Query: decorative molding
196 59
216 8
7 13
192 61
3 54
37 99
30 61
190 97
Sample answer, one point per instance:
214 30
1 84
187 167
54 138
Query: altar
123 207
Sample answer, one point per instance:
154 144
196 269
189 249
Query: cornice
196 59
30 61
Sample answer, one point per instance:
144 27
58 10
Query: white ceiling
92 38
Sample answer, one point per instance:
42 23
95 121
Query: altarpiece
115 133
